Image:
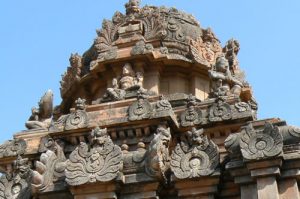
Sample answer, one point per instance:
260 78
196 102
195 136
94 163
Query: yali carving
260 144
79 118
191 116
99 162
157 156
194 156
41 117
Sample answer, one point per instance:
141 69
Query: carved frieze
194 156
140 109
72 75
99 162
41 117
261 143
13 148
51 166
16 183
220 111
157 157
110 54
192 115
79 118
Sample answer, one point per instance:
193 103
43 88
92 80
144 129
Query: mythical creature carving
194 156
99 162
206 48
129 83
17 183
51 166
220 111
72 75
141 48
140 109
13 148
79 118
41 117
224 83
261 144
157 156
191 116
163 104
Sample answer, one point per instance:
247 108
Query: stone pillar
265 173
95 191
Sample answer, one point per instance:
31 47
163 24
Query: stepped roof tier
156 108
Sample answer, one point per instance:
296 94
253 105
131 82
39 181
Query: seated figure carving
125 86
224 82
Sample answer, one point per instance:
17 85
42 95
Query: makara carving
261 143
51 166
157 156
16 184
79 118
41 117
99 162
220 111
140 109
194 156
192 115
13 148
72 75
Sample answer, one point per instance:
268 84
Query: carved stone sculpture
191 116
41 117
72 75
157 156
51 166
128 82
220 111
224 82
141 48
163 104
231 50
13 148
261 144
101 162
79 118
17 183
194 156
140 109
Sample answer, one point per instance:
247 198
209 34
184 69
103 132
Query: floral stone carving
140 109
191 116
16 184
194 156
220 111
78 119
99 162
261 144
13 148
51 166
157 157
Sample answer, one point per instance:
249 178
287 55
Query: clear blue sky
37 38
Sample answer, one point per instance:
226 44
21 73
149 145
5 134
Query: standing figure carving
99 162
41 117
194 156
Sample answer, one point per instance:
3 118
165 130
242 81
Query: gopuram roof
155 108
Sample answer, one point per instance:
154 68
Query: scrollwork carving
261 144
194 156
191 116
78 119
101 162
157 156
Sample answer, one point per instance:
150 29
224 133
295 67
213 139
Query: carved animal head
99 136
22 167
164 135
80 104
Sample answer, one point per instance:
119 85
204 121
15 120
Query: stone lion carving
194 156
101 162
157 156
261 144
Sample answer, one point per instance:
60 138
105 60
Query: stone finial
99 162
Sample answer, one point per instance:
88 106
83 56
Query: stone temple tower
156 108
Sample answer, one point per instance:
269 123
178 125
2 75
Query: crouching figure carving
101 162
194 156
